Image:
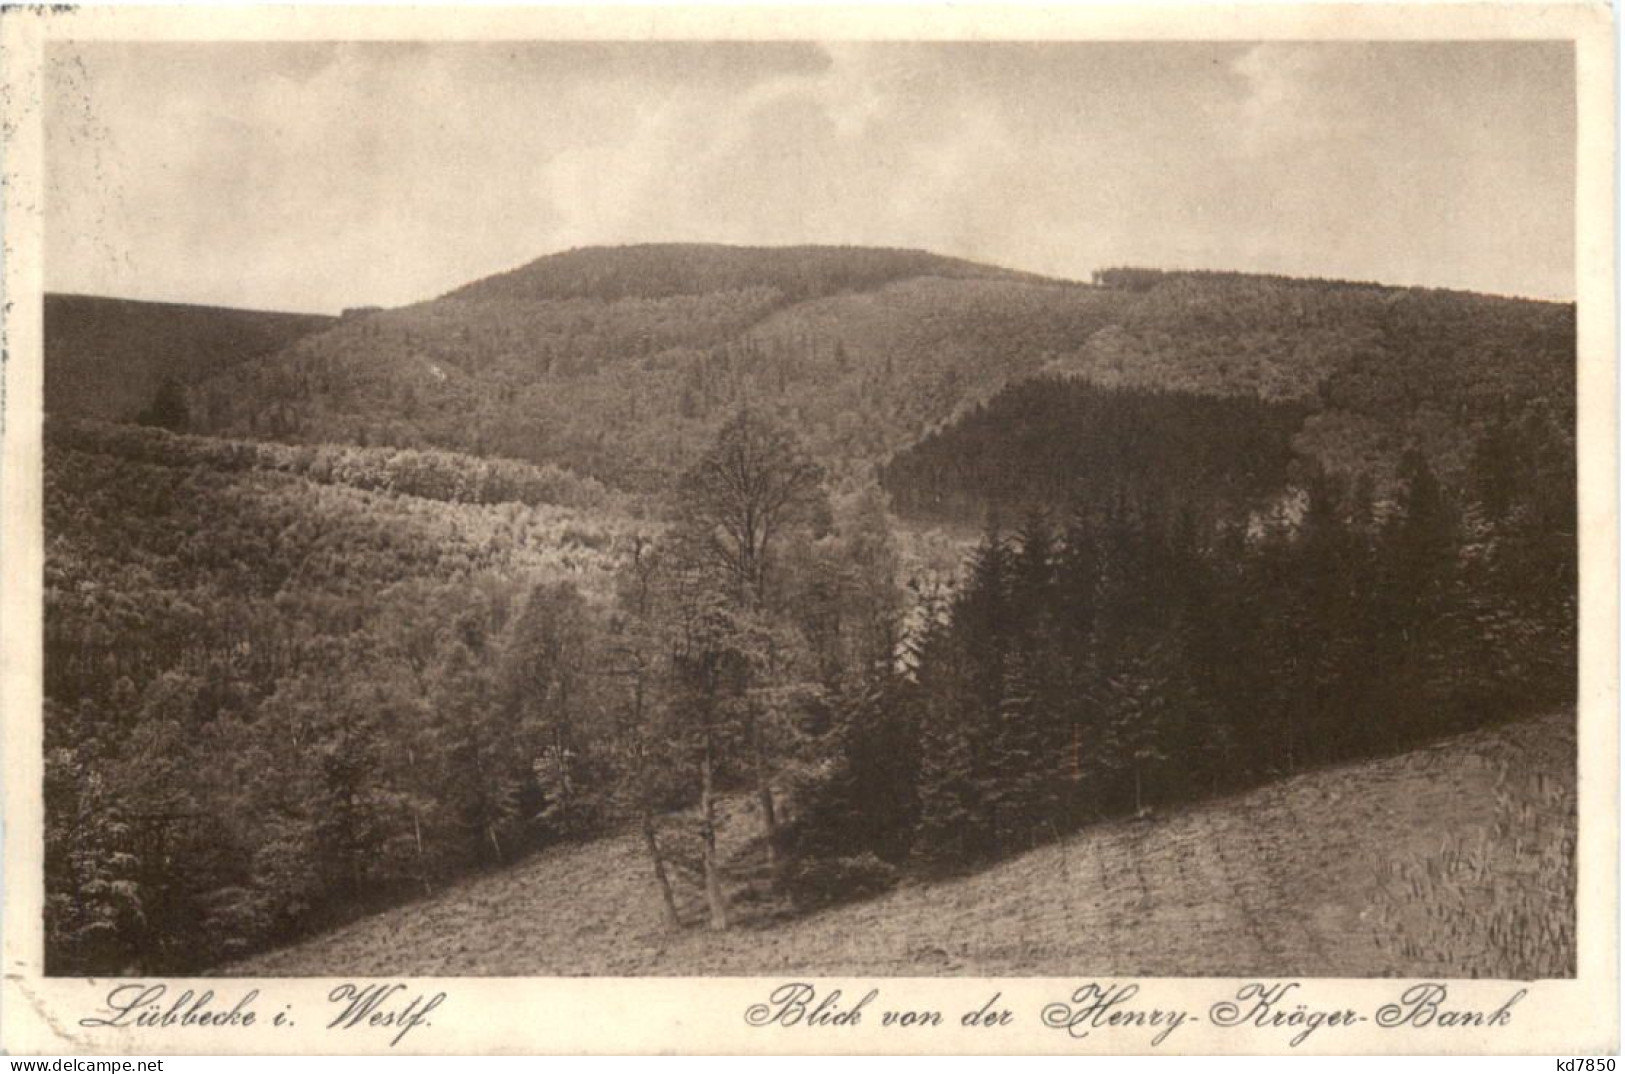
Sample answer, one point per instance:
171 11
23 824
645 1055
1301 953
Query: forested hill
661 270
621 363
520 567
107 357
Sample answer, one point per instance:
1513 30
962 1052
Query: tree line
1136 657
431 474
1056 441
759 700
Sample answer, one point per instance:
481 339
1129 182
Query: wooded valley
626 543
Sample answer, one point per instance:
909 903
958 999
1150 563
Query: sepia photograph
813 508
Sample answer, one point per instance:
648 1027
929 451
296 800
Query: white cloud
318 177
1283 100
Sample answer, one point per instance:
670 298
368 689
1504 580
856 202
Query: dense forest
621 364
429 475
108 358
229 648
797 273
631 542
1049 441
1144 654
274 703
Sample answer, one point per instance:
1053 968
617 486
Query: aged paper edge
705 1015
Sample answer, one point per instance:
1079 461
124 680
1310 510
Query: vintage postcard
810 529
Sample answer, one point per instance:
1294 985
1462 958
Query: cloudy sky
313 176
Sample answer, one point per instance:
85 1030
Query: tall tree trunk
652 845
714 898
417 823
646 816
764 794
771 823
417 834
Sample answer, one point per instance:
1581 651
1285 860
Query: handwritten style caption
392 1009
1104 1008
1112 1011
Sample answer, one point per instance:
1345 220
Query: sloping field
1456 860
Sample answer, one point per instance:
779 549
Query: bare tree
634 655
753 482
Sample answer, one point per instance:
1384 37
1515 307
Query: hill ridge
617 362
666 269
186 304
105 357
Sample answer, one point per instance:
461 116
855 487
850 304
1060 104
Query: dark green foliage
272 703
168 409
1161 654
546 678
588 384
622 363
1055 441
658 271
290 681
861 796
855 786
109 358
429 475
94 908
